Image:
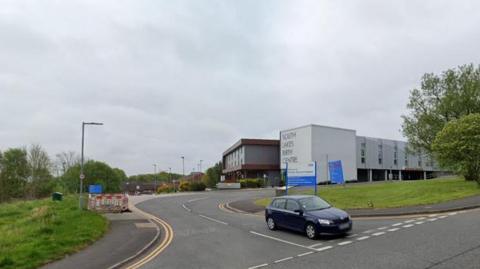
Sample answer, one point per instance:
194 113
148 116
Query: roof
296 197
251 141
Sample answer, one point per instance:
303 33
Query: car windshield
313 203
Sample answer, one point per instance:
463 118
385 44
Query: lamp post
201 165
183 166
82 176
155 177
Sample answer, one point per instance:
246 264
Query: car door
293 220
278 211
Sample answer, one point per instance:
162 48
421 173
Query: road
207 236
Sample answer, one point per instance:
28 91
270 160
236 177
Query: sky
190 78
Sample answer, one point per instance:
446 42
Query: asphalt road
205 236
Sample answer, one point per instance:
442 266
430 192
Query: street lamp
82 176
183 166
155 177
201 165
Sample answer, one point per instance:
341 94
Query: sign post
302 175
336 172
286 178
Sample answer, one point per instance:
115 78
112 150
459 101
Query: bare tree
39 162
66 160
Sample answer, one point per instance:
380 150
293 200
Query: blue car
306 213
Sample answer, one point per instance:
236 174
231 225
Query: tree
66 160
441 99
212 175
95 173
457 146
14 174
40 183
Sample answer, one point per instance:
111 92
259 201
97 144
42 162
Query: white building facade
363 158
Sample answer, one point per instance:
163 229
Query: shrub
197 186
165 188
251 183
184 186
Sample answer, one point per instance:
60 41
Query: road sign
301 174
95 189
336 172
82 176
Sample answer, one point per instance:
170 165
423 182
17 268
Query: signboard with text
302 174
336 172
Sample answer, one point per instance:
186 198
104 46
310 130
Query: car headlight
324 221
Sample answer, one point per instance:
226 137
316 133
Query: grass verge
33 233
393 193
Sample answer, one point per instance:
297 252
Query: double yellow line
167 239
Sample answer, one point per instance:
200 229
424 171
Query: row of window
363 154
235 158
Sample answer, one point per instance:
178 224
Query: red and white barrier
107 203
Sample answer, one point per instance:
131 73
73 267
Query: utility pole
155 177
82 175
183 166
201 165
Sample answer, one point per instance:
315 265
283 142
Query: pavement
249 206
128 234
208 235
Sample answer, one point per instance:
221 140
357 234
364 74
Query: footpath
249 206
129 236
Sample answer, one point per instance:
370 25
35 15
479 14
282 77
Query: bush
192 186
197 186
184 186
165 188
251 183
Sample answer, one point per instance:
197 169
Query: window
279 203
363 152
292 205
395 154
380 154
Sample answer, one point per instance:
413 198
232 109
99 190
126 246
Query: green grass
33 233
394 194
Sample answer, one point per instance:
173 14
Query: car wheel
311 231
271 224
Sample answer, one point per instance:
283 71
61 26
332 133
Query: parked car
307 213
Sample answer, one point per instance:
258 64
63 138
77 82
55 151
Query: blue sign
302 174
336 172
301 181
96 189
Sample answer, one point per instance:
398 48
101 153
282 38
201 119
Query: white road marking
363 238
186 208
315 245
396 224
452 214
344 243
408 221
282 260
379 233
351 235
368 231
197 199
434 219
393 229
442 217
407 226
279 240
382 228
420 222
258 266
432 215
215 220
304 254
421 218
324 248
